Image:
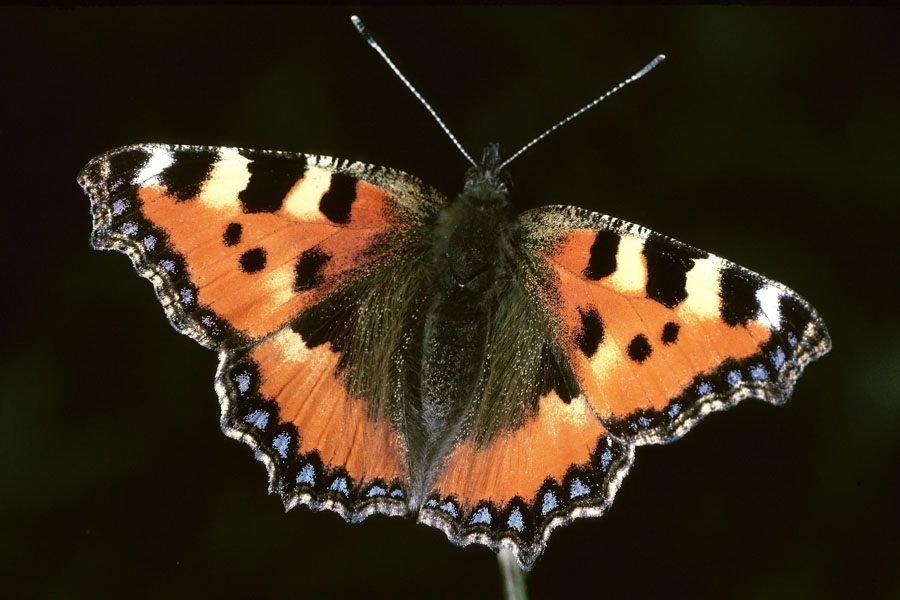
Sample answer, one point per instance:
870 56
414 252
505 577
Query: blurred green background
770 136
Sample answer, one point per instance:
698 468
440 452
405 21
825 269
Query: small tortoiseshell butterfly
386 351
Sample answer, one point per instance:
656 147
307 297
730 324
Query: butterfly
386 350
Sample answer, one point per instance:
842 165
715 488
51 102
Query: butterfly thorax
472 234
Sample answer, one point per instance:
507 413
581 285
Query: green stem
513 576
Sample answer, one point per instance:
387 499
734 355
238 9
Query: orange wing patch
302 382
517 463
258 268
635 364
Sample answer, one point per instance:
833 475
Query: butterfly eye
506 181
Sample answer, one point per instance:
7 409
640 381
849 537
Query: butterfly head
488 183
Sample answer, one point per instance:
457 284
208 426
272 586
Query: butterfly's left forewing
238 242
254 253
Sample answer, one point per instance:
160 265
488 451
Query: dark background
770 136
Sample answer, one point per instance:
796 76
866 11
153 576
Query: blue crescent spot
431 503
398 493
703 388
339 485
606 458
674 410
759 373
168 265
734 377
376 490
778 357
129 228
119 206
449 508
482 516
515 520
281 443
307 475
187 296
243 382
549 503
258 418
578 488
150 242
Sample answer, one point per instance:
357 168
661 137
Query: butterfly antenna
357 22
647 68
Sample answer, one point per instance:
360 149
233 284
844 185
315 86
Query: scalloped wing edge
526 553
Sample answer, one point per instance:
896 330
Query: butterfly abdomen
470 263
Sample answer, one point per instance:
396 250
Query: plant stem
513 576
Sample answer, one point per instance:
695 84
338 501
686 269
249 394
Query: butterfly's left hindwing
244 248
323 446
659 333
